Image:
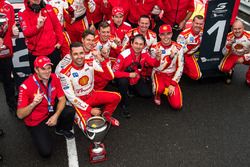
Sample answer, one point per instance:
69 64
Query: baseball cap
165 28
117 10
42 61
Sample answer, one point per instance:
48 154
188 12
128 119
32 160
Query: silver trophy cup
96 130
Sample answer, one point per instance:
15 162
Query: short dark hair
140 36
144 17
103 24
75 45
86 33
198 17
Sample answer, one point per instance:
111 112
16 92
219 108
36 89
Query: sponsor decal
83 80
204 59
65 87
75 74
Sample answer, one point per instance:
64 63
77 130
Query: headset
37 7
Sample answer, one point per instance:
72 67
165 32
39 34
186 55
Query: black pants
6 68
41 135
55 58
141 88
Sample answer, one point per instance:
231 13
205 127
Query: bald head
238 28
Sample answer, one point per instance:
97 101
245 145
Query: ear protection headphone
36 7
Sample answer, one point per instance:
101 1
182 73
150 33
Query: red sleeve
151 61
28 30
106 10
107 74
118 68
23 98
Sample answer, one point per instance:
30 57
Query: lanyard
48 98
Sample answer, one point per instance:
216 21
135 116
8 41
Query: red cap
42 61
117 10
165 28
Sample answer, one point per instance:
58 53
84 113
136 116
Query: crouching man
36 105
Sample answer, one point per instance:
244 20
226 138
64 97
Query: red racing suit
59 7
151 39
110 44
40 42
236 48
101 78
119 31
190 43
126 58
169 72
78 86
76 24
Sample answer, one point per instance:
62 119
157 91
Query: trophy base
95 157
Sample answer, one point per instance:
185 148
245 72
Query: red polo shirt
27 92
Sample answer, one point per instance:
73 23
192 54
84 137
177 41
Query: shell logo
84 80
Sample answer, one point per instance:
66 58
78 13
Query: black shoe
66 133
125 113
1 132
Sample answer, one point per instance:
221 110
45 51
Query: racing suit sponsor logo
75 74
84 80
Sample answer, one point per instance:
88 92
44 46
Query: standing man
117 24
176 14
78 82
190 39
36 105
42 31
127 70
236 51
8 29
167 76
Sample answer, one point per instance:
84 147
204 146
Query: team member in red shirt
110 4
8 30
176 13
36 105
190 39
236 51
118 26
127 70
42 31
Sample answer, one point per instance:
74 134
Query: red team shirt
27 93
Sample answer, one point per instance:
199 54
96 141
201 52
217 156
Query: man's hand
92 27
38 98
15 30
95 111
117 40
171 90
182 25
133 75
52 121
40 20
97 55
158 53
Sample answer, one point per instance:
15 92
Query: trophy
4 51
96 130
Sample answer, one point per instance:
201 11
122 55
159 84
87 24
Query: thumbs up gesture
15 30
40 20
